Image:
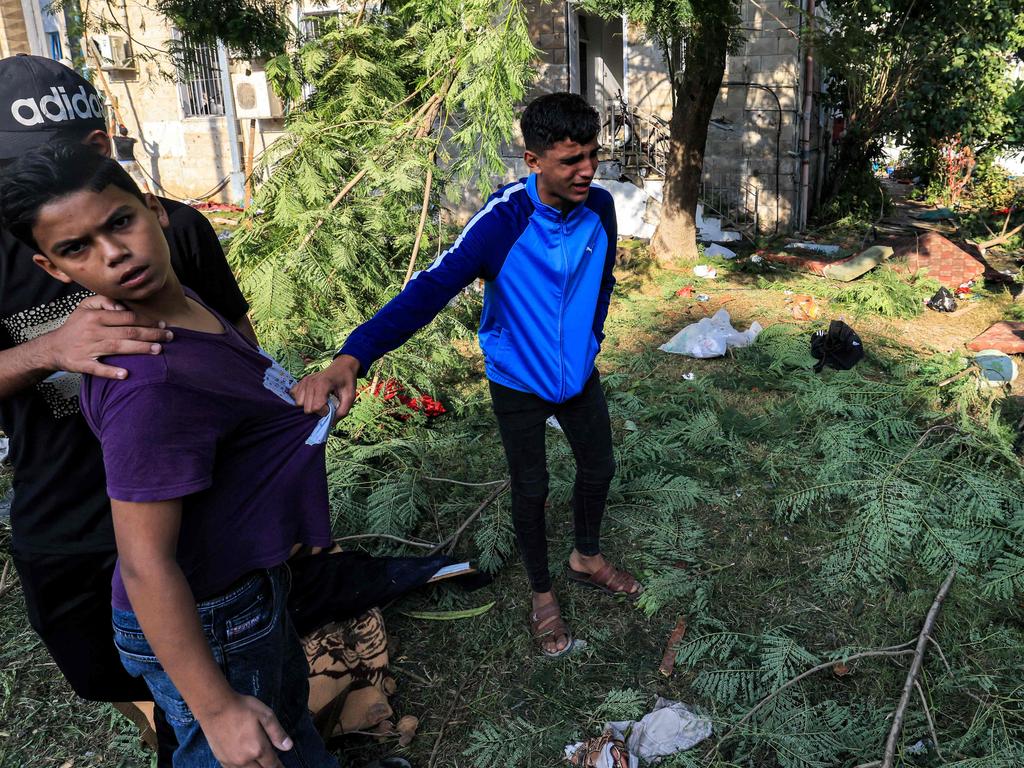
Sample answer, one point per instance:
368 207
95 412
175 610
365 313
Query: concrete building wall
182 156
756 120
14 31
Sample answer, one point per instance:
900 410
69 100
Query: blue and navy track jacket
548 283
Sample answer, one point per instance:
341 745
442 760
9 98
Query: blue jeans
256 648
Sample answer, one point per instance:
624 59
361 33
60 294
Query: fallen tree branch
426 114
984 246
4 586
895 650
330 207
928 717
452 540
956 376
427 187
915 669
1006 221
463 482
423 544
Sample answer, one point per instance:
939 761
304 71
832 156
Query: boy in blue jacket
545 247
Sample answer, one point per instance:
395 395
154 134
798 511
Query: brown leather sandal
551 616
609 580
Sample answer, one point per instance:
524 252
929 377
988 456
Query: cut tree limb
984 246
4 586
895 650
928 717
427 114
452 540
915 668
389 537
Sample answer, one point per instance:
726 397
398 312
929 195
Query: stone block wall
758 108
549 34
13 29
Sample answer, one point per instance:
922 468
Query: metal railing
637 142
734 199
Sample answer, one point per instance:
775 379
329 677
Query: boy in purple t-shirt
214 476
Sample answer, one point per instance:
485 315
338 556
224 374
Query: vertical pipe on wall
805 127
237 176
625 59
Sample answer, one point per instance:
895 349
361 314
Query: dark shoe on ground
390 762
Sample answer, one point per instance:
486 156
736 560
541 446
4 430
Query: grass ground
732 564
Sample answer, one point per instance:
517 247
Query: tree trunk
696 90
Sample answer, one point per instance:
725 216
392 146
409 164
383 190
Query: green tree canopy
387 110
921 70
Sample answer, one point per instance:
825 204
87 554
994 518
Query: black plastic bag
839 347
942 301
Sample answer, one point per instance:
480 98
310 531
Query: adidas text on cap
40 98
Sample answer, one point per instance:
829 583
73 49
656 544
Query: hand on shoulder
99 327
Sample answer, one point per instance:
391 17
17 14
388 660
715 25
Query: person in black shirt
50 334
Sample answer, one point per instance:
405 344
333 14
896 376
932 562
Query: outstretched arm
418 303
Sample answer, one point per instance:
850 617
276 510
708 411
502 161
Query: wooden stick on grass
896 650
452 540
915 669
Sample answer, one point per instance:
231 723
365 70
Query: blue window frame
56 49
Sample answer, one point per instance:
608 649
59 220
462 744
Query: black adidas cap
40 98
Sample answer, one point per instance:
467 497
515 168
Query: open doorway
600 72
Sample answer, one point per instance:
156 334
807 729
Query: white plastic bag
710 337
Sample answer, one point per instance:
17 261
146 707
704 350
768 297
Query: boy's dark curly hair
555 117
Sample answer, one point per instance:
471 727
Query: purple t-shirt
207 422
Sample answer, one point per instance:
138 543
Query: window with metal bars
312 26
200 88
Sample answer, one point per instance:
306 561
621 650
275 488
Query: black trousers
67 598
584 420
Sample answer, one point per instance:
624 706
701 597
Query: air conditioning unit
114 51
254 98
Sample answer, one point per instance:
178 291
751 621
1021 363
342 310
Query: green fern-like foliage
412 87
622 704
500 745
885 292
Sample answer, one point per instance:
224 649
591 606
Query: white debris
630 208
828 250
705 271
719 250
553 423
710 337
669 728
